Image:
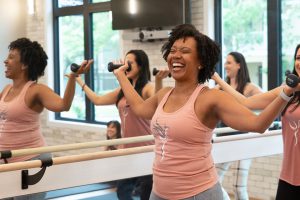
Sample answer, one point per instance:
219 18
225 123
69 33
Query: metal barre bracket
35 178
5 154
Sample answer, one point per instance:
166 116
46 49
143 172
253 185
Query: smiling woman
131 124
113 131
239 79
184 116
22 101
289 184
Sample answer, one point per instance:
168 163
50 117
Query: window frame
274 40
86 10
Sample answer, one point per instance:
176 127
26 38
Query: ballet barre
76 170
247 145
74 158
245 136
86 145
75 146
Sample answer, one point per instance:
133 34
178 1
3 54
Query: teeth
177 65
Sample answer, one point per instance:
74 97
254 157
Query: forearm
158 84
69 92
274 109
91 95
227 88
132 97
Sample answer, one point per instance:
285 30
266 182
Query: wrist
157 79
287 96
83 86
288 90
119 74
79 81
73 75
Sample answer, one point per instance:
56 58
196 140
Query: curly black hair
208 50
32 55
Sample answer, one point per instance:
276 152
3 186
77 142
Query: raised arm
252 89
141 107
256 102
161 74
107 99
241 118
47 98
227 88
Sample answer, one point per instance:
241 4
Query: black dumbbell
292 80
74 67
111 66
155 71
287 72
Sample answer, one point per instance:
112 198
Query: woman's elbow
67 108
64 107
261 129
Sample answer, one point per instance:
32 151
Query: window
104 52
67 3
251 28
290 16
83 30
244 29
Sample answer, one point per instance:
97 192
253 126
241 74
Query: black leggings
286 191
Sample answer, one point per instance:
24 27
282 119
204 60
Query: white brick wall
264 172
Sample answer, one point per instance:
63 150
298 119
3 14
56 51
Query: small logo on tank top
161 131
2 116
295 126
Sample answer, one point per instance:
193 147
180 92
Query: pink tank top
183 164
19 125
290 171
132 125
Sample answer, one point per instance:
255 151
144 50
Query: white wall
12 23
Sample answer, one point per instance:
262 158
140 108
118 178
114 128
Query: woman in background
289 180
113 131
238 78
131 124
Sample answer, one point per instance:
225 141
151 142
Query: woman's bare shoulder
252 89
162 92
